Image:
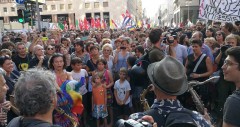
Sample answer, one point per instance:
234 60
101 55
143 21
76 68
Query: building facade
186 9
71 10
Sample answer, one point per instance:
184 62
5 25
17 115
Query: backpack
139 70
173 119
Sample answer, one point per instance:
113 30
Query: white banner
220 10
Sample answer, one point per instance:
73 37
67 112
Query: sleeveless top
59 80
202 68
122 61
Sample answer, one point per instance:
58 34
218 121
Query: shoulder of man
155 55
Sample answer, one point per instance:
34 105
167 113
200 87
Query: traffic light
20 16
32 22
27 15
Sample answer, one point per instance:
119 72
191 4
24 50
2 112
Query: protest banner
220 10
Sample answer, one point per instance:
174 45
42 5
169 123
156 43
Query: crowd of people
104 63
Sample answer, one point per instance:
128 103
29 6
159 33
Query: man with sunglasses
231 72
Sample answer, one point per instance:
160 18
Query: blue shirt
165 106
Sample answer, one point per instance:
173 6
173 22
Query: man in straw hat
169 80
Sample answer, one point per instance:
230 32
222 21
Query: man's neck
157 45
163 96
22 56
44 117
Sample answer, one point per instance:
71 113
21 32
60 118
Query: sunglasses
219 34
49 48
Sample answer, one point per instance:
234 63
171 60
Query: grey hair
34 92
35 48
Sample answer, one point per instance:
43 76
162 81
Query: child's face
77 67
97 79
122 75
100 66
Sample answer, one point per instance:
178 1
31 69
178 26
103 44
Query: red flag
65 27
128 14
80 24
86 26
93 23
114 24
72 27
98 23
123 15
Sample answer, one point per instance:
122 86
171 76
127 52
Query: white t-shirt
122 89
78 76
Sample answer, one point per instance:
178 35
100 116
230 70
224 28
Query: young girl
99 100
108 80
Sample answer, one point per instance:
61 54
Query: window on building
105 4
70 6
44 7
53 7
61 6
96 4
12 9
4 9
87 5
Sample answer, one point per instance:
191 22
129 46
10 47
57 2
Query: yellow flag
111 25
139 23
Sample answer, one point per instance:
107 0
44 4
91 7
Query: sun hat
168 75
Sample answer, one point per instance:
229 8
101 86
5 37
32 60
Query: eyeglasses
219 34
49 48
6 40
229 63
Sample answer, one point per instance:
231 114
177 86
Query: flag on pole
60 25
93 23
98 23
86 26
80 24
76 24
113 23
104 24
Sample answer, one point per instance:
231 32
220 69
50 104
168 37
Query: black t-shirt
231 112
22 63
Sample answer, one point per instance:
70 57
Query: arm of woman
69 76
110 79
209 69
115 58
218 58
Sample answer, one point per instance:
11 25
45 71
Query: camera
132 123
122 47
224 48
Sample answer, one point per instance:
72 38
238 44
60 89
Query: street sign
20 1
20 6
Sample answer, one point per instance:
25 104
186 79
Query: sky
151 6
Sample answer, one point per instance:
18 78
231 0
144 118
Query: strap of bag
199 61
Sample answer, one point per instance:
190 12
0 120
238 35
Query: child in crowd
121 92
108 80
99 100
77 74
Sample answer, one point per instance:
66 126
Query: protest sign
220 10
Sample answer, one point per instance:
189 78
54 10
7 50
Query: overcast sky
152 6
